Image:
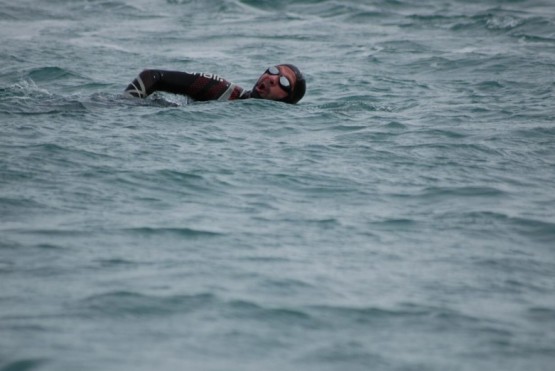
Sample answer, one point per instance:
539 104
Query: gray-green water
400 218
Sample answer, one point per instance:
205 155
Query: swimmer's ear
300 85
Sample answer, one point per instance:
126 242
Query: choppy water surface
399 218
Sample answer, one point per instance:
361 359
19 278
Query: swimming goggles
283 81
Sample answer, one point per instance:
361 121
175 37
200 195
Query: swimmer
284 83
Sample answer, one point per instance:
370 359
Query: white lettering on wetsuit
209 76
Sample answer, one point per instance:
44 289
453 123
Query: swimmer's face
276 83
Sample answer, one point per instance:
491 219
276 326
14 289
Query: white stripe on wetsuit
227 93
140 92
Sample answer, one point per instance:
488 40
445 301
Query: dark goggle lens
283 81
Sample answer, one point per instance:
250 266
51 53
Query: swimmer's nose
273 80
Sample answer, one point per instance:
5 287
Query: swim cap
300 86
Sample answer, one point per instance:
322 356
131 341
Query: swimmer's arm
198 86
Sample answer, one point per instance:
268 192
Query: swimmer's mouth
261 87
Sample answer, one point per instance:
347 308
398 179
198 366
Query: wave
45 74
173 181
27 98
20 11
538 132
251 310
517 24
461 191
129 303
58 9
26 364
178 231
533 229
541 314
405 311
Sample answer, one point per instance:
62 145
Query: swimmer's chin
255 94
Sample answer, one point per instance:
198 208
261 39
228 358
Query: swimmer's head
283 82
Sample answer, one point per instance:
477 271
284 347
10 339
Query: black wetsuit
198 86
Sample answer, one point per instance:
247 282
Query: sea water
401 217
